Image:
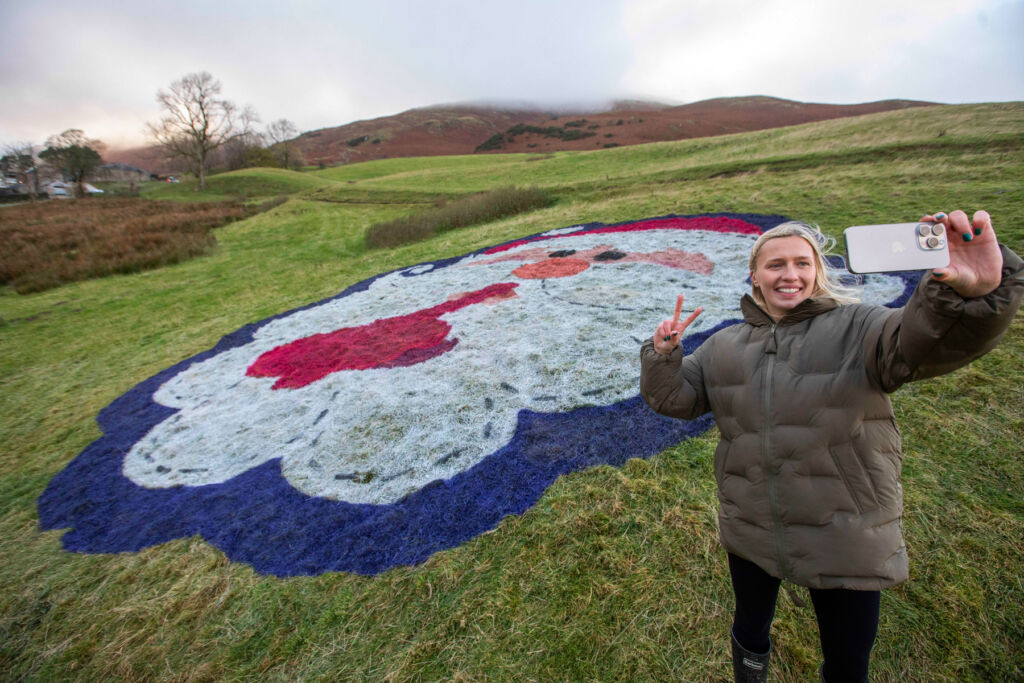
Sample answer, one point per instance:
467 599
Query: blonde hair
827 281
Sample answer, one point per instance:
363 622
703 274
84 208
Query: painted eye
562 253
609 255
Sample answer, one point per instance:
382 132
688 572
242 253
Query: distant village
21 182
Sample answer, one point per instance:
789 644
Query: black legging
847 620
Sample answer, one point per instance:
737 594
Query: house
118 172
60 189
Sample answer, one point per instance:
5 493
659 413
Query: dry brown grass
471 210
51 243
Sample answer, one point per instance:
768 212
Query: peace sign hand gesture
669 332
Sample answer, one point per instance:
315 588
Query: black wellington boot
748 667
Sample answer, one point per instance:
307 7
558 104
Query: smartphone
896 246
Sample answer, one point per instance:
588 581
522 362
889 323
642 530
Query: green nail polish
977 231
968 237
936 273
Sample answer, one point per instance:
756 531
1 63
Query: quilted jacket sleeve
673 385
938 331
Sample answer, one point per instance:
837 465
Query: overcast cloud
97 65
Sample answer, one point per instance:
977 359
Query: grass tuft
473 210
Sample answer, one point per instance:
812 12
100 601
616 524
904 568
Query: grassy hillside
249 183
615 574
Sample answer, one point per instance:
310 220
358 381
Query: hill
721 116
467 129
440 131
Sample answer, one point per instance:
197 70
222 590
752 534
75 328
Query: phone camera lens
937 229
923 229
933 242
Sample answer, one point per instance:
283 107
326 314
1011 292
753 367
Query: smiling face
785 273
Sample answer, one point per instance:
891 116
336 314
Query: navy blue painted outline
260 519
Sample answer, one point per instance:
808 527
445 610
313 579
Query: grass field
616 573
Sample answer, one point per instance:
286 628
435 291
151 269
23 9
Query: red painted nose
552 267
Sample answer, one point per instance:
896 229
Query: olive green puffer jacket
808 465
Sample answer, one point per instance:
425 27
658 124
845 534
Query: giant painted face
476 379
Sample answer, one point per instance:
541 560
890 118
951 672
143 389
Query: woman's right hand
669 332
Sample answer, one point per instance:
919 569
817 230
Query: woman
808 463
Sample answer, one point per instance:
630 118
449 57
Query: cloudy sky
97 65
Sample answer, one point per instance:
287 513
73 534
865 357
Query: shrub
496 141
471 210
355 142
570 131
576 134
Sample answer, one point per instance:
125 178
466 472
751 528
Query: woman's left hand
975 262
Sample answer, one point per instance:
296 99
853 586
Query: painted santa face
413 410
370 397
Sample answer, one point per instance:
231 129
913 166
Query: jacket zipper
777 527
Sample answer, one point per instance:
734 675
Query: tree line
197 123
198 128
70 154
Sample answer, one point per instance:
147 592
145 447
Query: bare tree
74 155
197 121
246 150
280 134
19 161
